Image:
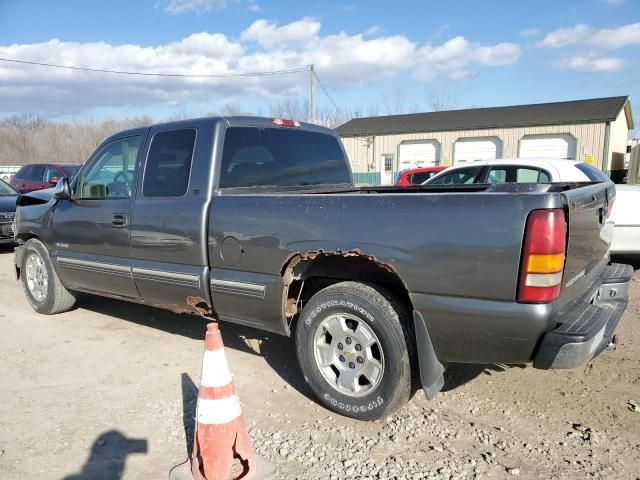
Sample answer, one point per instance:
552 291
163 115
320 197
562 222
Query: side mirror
63 190
54 180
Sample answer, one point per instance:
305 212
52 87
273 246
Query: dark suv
37 176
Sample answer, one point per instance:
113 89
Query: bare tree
230 109
441 98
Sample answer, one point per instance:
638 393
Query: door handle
119 220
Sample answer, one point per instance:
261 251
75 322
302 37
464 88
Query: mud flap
431 370
18 252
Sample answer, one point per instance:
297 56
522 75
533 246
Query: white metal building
593 131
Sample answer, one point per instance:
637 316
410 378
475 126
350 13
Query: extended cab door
168 224
92 231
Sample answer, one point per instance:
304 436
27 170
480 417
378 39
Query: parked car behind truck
257 222
38 176
8 197
625 215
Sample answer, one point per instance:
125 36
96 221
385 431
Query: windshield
281 157
70 171
6 190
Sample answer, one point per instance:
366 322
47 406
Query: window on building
169 163
388 163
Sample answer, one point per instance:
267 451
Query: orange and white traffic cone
220 435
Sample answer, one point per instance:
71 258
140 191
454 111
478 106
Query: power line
157 74
325 91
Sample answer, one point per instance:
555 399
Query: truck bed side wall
444 245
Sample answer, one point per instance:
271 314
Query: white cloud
585 35
341 60
529 32
458 52
374 30
459 75
591 63
252 6
269 34
197 6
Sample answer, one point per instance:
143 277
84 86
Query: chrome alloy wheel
348 354
37 277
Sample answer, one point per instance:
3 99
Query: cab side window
110 172
169 163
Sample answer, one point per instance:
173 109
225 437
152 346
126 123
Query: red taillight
285 123
542 257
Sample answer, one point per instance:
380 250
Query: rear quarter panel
454 244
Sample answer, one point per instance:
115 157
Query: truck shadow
277 351
458 374
633 260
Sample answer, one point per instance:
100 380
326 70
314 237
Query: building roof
578 111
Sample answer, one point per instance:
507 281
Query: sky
366 54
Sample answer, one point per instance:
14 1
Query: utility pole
312 74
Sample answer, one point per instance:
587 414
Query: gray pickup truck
256 221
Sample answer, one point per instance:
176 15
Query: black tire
57 298
390 322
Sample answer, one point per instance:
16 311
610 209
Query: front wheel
40 283
355 347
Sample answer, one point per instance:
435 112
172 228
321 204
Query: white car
520 170
626 232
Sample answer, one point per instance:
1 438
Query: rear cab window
275 157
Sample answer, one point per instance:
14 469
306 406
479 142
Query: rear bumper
588 326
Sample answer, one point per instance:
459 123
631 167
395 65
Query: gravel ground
108 391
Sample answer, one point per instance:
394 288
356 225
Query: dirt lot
108 390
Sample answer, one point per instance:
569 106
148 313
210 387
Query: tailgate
589 237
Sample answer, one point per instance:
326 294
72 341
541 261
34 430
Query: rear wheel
355 347
40 283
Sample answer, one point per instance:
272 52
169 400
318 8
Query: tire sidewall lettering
337 303
342 405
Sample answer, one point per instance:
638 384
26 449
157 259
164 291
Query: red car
37 176
416 176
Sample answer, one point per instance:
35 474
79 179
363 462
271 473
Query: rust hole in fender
329 265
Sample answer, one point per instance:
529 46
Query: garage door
548 146
419 154
470 149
